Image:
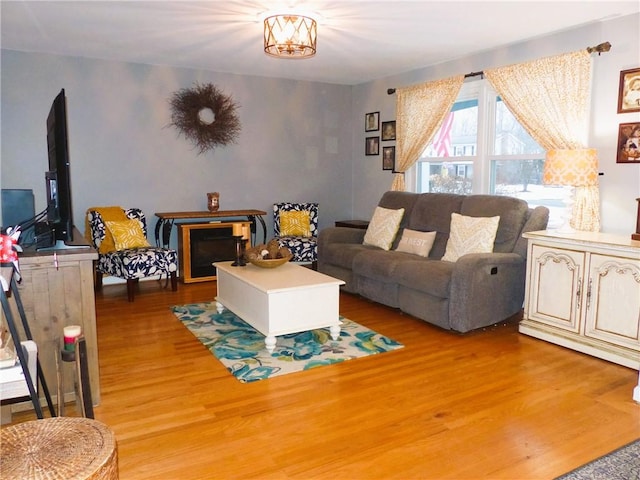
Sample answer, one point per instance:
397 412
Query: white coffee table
277 301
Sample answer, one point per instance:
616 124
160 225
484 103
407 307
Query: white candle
237 229
70 333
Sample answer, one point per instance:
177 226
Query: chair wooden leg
314 265
98 280
131 285
174 281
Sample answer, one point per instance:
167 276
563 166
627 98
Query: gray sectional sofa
477 290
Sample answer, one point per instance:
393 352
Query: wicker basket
59 448
269 262
277 255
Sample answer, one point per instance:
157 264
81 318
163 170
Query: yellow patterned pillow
470 235
383 227
127 234
295 223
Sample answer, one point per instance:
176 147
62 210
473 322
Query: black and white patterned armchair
139 261
295 227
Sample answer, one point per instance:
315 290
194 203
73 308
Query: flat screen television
58 177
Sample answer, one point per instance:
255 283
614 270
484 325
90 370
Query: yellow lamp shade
577 168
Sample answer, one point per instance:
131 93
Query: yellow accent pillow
295 223
383 227
108 214
416 242
470 235
127 234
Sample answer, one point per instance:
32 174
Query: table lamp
571 168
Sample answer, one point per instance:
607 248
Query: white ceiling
358 41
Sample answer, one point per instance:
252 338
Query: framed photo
372 122
388 158
372 146
388 131
629 93
629 143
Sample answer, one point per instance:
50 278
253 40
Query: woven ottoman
58 448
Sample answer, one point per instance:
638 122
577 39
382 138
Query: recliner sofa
477 290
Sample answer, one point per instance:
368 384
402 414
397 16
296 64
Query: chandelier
290 36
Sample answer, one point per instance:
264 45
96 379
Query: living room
124 151
123 147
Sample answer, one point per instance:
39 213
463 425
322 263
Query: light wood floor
490 404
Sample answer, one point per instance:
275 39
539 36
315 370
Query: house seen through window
482 148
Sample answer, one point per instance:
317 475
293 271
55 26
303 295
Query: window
482 148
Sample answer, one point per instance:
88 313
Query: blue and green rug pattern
241 348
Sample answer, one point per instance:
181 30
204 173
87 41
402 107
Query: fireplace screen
202 244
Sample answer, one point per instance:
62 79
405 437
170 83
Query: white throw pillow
470 235
414 241
383 227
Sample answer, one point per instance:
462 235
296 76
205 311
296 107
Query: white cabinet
583 292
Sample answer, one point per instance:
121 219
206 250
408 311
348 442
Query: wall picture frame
629 143
372 122
372 146
388 131
388 158
629 91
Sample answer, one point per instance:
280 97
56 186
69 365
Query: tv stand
60 245
56 291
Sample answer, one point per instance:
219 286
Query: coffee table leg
334 330
270 343
219 307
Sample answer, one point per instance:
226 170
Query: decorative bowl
271 255
269 262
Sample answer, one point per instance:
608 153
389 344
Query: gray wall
295 143
300 141
620 184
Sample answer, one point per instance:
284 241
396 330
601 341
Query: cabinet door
613 300
556 287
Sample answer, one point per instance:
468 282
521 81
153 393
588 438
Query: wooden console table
166 220
57 290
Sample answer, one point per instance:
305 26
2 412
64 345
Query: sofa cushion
513 213
470 235
395 200
418 243
342 254
432 213
383 228
379 264
432 277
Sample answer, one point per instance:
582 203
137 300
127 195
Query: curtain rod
601 48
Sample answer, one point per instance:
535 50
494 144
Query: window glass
510 137
491 144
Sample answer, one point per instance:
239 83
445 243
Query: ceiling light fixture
290 36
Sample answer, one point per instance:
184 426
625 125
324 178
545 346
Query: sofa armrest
340 235
486 288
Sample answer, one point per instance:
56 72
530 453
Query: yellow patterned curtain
420 110
550 98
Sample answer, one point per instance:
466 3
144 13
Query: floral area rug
241 348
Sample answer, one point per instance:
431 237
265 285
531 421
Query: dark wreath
205 115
